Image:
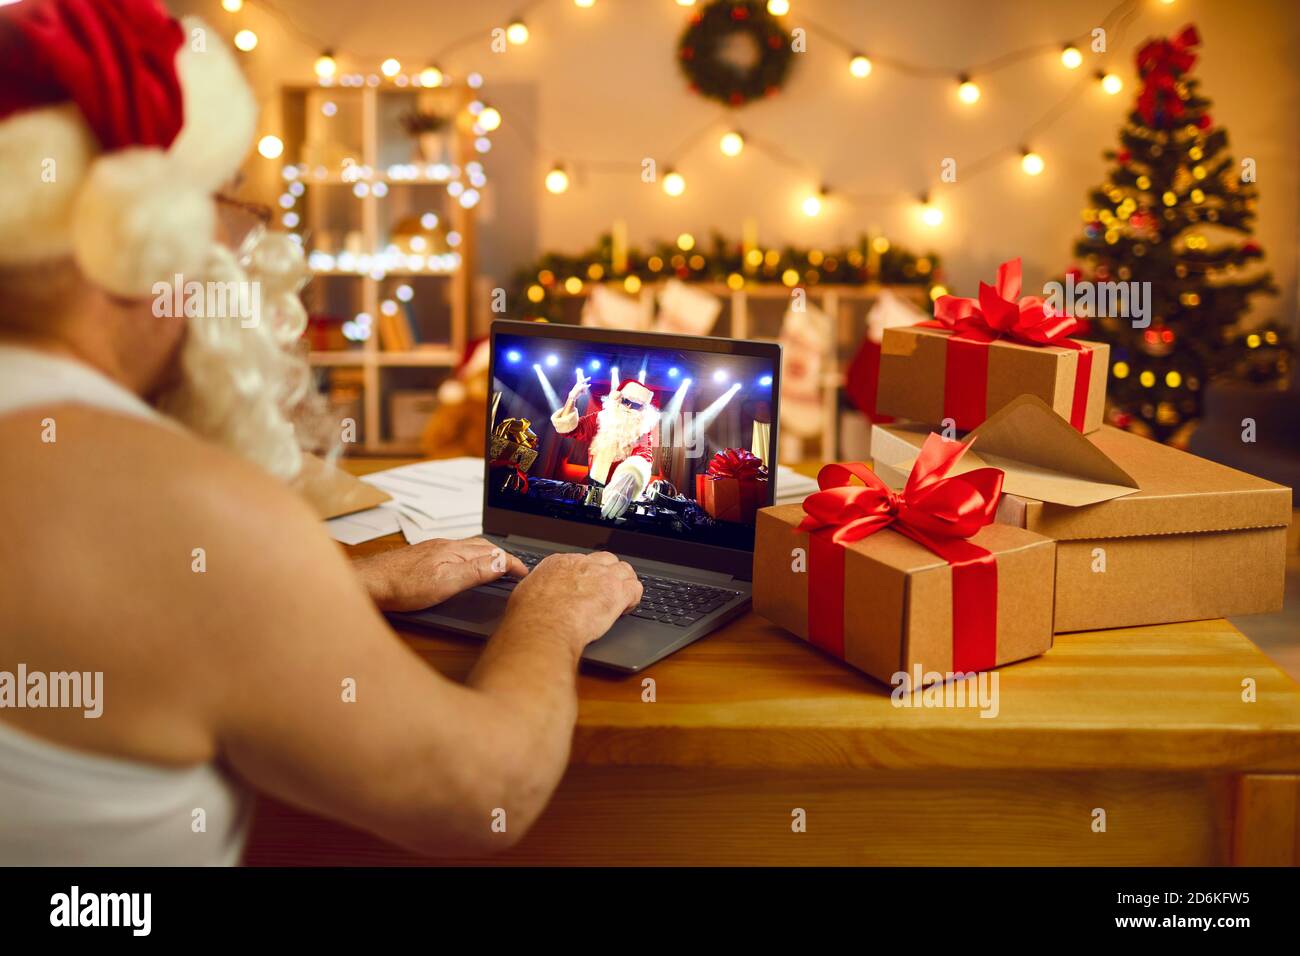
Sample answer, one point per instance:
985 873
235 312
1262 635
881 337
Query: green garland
539 290
697 52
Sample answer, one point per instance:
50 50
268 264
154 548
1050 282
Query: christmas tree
1177 212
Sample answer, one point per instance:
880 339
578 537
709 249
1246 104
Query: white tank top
65 807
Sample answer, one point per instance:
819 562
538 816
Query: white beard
620 429
250 389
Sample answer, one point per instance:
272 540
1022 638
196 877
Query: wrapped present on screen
513 447
734 486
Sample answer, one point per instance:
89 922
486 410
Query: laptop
623 468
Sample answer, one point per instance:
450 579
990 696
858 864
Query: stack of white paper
431 499
791 486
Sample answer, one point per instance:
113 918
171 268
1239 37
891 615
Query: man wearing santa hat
621 440
157 545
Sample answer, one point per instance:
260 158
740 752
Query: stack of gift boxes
1008 512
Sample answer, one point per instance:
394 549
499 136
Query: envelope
331 492
1041 454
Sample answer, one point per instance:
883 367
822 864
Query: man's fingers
635 590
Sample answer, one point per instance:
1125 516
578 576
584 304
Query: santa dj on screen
620 437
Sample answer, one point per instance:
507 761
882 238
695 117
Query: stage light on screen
765 380
672 372
594 364
702 420
551 398
513 355
720 375
552 360
613 377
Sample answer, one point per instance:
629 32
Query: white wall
602 83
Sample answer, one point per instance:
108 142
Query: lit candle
619 250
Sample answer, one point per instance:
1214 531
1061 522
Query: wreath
722 29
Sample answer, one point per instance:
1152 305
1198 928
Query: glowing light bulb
232 6
390 67
778 8
686 242
686 3
326 67
557 181
517 33
1071 58
967 91
860 66
731 144
812 205
674 183
270 146
489 119
1111 83
931 214
245 40
583 3
1031 163
431 76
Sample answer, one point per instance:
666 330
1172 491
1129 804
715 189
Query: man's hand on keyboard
578 596
415 577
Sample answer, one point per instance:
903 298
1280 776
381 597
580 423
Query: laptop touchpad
477 606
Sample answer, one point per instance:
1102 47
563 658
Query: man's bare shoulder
85 474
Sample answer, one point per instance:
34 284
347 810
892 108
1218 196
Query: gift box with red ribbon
733 487
978 355
923 577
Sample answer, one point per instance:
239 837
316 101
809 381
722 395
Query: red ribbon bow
999 312
736 463
1160 63
935 509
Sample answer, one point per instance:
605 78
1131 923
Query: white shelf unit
328 208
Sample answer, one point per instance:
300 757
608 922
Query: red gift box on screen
734 487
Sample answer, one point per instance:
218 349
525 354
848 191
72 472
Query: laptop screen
665 441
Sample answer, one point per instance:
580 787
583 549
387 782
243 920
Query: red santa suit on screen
620 449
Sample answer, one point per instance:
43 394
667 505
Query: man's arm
311 697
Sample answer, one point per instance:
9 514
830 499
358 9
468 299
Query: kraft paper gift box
926 377
886 604
981 354
1146 534
730 499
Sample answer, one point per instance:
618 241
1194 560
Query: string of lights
732 140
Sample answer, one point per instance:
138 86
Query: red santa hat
117 124
636 392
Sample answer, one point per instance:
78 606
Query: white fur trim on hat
136 223
220 112
44 156
636 392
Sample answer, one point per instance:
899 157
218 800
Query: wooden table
1145 730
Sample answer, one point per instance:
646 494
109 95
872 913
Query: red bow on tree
999 312
1160 64
736 463
933 509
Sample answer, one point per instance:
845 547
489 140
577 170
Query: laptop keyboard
666 600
